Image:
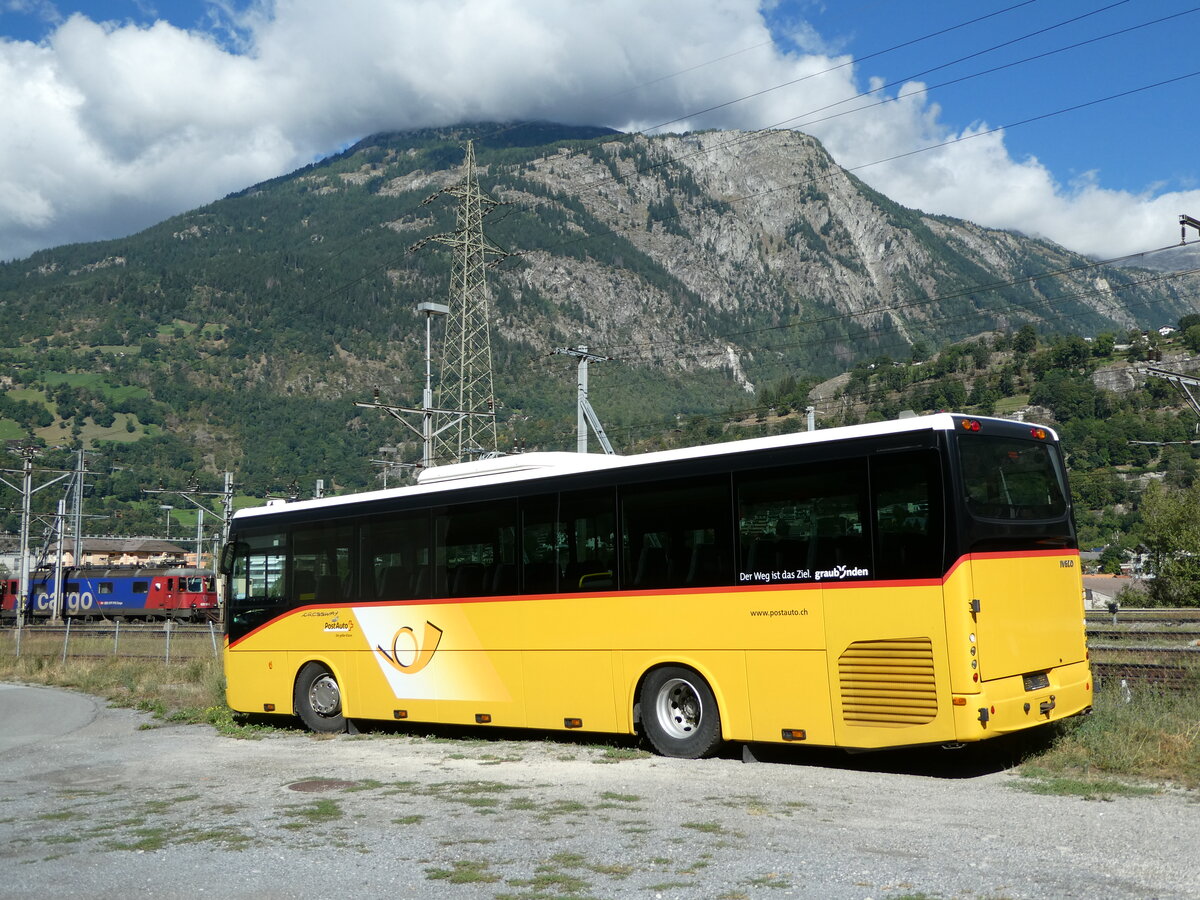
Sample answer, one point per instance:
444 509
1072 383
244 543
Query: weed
705 827
414 819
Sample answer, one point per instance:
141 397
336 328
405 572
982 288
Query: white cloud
109 128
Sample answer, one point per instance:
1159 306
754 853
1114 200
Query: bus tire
318 699
679 713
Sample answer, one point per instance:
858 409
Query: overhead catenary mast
585 415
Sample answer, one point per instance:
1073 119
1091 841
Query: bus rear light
399 713
572 723
795 734
482 718
975 676
1039 433
970 425
960 701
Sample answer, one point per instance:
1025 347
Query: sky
1072 120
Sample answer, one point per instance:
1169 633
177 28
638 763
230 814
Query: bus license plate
1037 681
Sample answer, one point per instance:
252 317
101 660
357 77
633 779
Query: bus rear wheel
318 699
679 713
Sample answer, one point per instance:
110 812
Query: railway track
1160 675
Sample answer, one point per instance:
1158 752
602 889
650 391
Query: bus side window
809 523
587 522
907 500
476 549
676 535
322 565
395 551
541 542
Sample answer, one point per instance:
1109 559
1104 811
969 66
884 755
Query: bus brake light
1039 433
970 425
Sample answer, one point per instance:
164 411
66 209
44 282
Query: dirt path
113 807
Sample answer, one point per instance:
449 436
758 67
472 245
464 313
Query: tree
1026 339
1070 352
1171 531
1110 560
1191 337
1105 342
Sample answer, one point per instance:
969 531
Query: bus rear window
1007 478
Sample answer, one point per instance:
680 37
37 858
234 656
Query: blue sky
1135 143
121 113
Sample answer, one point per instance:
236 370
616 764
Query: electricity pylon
466 404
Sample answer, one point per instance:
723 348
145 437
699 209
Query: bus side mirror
229 553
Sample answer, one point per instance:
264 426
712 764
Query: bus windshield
1007 478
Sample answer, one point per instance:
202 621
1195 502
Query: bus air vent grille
888 684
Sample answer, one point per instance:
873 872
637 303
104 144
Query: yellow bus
882 585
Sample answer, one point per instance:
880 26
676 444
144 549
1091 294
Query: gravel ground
108 803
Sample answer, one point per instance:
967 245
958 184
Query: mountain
707 265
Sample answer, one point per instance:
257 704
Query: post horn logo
421 651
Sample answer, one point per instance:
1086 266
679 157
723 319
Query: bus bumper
1007 705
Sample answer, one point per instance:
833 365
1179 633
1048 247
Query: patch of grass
463 871
415 819
1040 781
705 827
146 839
554 875
365 784
561 807
316 813
620 798
621 754
1154 736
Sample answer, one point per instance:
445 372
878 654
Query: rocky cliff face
778 258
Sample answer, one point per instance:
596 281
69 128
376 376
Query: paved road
94 803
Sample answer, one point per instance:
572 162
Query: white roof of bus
530 466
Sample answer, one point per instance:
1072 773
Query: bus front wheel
318 699
679 713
